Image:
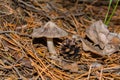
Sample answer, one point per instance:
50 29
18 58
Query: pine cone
70 50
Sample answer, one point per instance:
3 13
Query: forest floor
23 57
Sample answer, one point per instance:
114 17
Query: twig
116 68
20 76
4 32
28 6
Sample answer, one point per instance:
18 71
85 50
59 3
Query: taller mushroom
50 30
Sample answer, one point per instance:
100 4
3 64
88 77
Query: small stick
4 32
17 71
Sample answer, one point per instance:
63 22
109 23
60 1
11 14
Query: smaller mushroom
50 30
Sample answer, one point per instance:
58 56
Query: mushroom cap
49 30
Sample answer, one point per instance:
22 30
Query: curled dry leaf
109 49
108 42
97 32
87 46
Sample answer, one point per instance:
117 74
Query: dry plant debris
80 56
104 42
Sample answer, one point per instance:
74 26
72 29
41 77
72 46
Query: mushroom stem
50 45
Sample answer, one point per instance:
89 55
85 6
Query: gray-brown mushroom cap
49 30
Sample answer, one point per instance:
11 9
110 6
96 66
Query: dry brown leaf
109 49
88 47
108 42
97 32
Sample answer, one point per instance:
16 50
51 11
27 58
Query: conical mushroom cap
49 30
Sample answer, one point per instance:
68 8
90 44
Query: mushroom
50 30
